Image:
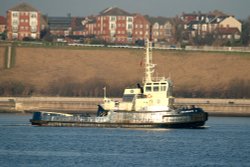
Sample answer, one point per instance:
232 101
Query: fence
220 49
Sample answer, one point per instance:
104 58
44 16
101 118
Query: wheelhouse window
128 97
156 88
148 88
163 88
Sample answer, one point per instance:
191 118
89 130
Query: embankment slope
189 70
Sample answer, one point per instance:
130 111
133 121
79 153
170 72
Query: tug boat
148 106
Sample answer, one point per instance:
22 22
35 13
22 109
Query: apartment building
60 26
114 25
141 28
199 24
117 26
23 21
163 29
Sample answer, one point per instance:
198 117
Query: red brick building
2 24
141 28
23 21
83 26
114 25
118 26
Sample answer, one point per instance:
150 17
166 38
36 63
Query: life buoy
149 96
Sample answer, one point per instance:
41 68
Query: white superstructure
154 95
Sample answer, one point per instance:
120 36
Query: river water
224 142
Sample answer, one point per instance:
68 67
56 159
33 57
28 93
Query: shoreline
214 107
92 113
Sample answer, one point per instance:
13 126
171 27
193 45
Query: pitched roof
59 23
2 20
159 19
114 11
23 7
209 14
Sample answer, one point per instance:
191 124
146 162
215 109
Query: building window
130 26
112 26
33 29
14 35
14 28
156 26
113 18
33 15
14 14
130 19
33 23
15 22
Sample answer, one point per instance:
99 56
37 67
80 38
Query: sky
166 8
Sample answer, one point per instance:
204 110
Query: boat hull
124 119
118 125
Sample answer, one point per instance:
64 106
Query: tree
245 34
4 35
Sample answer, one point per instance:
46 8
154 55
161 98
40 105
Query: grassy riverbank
84 72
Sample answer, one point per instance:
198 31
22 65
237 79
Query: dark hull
123 119
117 125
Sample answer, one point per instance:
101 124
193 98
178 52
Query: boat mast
149 66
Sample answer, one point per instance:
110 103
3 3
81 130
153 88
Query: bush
16 88
28 39
67 87
235 89
238 89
